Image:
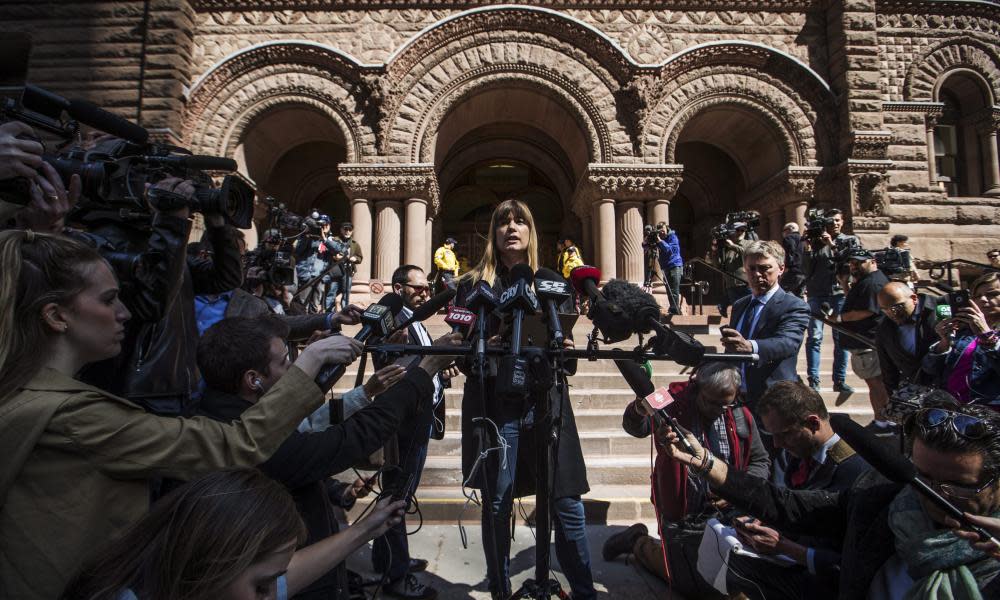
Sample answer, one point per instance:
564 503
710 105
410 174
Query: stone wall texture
848 88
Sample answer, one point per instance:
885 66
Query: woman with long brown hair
230 535
513 239
77 459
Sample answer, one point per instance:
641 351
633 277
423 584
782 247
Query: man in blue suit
770 321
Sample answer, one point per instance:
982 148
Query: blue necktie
746 327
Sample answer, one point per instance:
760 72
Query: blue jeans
337 287
815 340
568 520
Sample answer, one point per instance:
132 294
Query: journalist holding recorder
895 544
77 458
513 240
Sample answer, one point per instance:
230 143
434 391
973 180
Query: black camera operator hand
183 187
18 157
50 201
827 239
336 349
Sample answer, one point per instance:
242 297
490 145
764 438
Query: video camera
115 174
816 225
751 218
893 261
280 218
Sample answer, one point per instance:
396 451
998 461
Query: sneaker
410 587
417 565
622 542
840 386
814 384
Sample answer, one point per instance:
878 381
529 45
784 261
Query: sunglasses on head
967 426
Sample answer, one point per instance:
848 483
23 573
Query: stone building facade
412 119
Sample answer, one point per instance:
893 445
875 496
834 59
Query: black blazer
899 366
779 333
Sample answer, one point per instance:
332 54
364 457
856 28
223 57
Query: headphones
256 383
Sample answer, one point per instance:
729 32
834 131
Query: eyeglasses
895 308
967 426
959 492
419 288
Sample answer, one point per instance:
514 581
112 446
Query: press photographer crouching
894 543
709 405
966 358
241 359
79 458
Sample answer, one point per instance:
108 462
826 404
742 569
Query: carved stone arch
929 70
534 43
791 118
490 21
509 77
296 71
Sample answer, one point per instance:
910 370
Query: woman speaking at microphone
513 240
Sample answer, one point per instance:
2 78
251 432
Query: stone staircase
618 465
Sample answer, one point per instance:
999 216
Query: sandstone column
387 237
630 241
361 218
415 240
991 163
658 210
428 245
930 124
795 212
604 210
588 246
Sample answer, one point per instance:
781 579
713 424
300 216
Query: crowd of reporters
131 363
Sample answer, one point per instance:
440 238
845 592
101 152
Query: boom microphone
895 467
645 317
518 299
606 315
108 122
195 162
377 319
482 301
460 318
427 309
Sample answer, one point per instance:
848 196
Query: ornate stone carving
377 100
391 182
633 102
926 70
870 145
627 182
869 195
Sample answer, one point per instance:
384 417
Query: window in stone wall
959 159
946 157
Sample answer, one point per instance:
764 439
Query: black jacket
300 327
899 366
157 368
857 519
571 474
305 461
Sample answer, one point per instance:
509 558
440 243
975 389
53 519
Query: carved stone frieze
869 195
634 101
870 145
714 5
627 182
391 182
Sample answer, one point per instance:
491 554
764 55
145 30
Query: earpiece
256 382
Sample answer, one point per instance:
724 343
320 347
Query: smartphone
958 299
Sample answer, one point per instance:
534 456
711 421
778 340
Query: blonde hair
38 269
761 248
487 268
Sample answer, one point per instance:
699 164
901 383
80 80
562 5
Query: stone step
593 443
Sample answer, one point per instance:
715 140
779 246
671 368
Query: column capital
396 181
636 182
987 121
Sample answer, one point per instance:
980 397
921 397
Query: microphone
553 290
642 385
895 467
606 315
481 300
427 309
194 162
645 317
459 318
108 122
512 375
377 319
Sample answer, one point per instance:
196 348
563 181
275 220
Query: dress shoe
409 587
622 542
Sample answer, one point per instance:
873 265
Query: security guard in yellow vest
447 265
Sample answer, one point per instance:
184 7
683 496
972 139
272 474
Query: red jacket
669 477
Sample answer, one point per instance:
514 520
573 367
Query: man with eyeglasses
709 405
894 543
994 257
391 552
808 456
905 334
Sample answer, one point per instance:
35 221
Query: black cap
450 241
346 225
859 253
